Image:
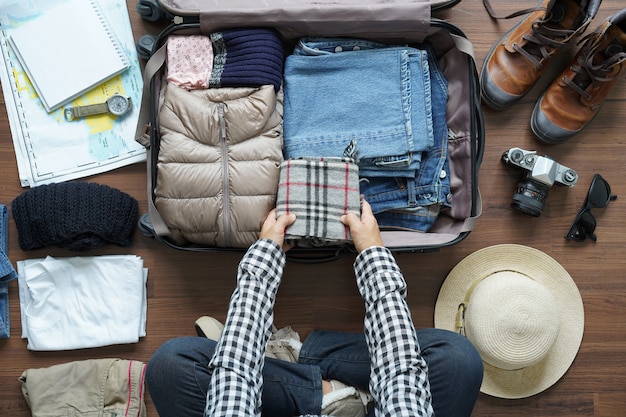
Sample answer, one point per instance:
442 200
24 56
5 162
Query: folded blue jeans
7 273
177 375
342 89
415 203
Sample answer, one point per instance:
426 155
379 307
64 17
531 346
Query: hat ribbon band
460 312
460 319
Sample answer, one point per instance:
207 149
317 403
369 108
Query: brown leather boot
519 58
574 98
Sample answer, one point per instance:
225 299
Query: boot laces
594 66
542 42
544 39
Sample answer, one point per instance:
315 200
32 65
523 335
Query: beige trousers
94 387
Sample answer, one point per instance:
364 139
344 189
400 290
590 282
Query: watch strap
82 111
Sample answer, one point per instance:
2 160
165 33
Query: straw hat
521 310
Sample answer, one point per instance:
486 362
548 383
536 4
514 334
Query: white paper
67 51
48 148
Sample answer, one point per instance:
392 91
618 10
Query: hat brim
542 268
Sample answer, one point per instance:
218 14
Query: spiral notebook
67 51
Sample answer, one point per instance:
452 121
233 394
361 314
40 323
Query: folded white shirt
82 302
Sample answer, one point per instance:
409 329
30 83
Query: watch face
118 105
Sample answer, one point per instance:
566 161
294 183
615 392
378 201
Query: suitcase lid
307 17
193 7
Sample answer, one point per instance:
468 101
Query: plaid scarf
318 191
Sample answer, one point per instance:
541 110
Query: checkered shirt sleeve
399 374
236 379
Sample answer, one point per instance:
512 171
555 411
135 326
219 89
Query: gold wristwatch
117 105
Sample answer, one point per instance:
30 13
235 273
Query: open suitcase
390 22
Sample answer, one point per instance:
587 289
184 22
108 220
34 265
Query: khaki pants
94 387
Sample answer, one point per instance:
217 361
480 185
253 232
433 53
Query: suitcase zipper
225 193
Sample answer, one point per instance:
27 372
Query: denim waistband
339 90
404 204
390 166
401 203
7 273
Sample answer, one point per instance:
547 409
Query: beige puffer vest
218 163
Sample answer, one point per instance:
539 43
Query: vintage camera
541 173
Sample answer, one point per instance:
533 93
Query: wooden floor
183 286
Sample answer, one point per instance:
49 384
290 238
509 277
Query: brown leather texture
567 108
514 73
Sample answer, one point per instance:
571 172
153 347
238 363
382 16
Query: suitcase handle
317 257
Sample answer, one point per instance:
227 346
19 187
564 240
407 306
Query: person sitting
391 369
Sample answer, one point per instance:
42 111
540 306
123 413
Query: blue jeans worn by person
194 376
7 273
292 389
343 89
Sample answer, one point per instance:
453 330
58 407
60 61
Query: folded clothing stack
74 216
111 387
318 191
7 273
82 301
399 127
247 58
242 57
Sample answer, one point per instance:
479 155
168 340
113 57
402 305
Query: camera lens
529 197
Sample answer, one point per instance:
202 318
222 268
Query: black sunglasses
598 196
